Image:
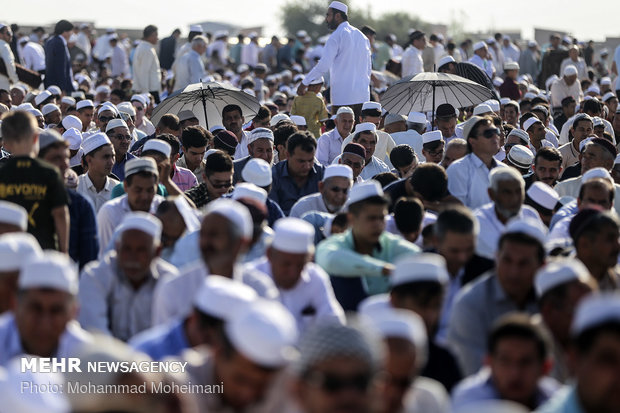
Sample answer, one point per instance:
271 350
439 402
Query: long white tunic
146 71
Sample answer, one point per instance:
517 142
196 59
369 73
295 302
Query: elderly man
455 150
481 52
51 114
365 134
16 250
574 60
412 62
260 145
48 287
416 126
567 85
118 132
333 192
118 289
329 145
98 157
217 179
190 68
146 71
347 56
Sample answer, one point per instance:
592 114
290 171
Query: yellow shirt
312 108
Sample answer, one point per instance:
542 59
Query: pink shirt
184 178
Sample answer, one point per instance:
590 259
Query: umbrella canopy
206 101
425 91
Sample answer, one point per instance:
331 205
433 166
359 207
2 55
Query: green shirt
119 190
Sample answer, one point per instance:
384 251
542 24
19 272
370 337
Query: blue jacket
57 65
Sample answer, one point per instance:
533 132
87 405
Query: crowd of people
322 254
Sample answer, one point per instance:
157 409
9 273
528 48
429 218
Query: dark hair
169 121
586 339
231 108
431 146
430 181
385 178
357 207
302 139
456 219
148 31
63 26
524 103
120 93
408 214
194 137
600 183
263 112
592 106
525 239
422 292
525 117
402 155
172 140
591 226
581 119
18 126
55 145
368 31
218 162
548 153
520 326
370 112
283 132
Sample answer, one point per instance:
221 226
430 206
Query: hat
511 66
196 28
469 125
596 310
243 68
521 134
420 267
293 235
102 89
215 128
374 303
594 89
543 195
258 172
141 221
139 98
393 118
35 112
416 117
298 120
185 115
78 95
607 145
445 110
236 213
364 190
13 214
343 171
223 297
528 226
432 136
339 6
445 60
540 108
260 133
404 324
49 137
560 272
87 103
115 123
16 249
41 97
365 127
345 109
355 149
529 122
136 165
317 81
596 173
51 270
481 109
278 118
605 81
570 70
94 141
521 157
493 104
604 51
107 107
158 145
71 121
607 96
371 106
249 190
49 108
479 45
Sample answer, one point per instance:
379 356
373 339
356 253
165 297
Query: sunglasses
489 133
220 186
336 189
139 108
106 118
436 153
332 383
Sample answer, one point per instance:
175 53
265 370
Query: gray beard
505 213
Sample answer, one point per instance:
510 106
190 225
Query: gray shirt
313 202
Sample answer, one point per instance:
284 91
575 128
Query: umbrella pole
433 116
204 108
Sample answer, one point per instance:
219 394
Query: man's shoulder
112 204
470 295
460 164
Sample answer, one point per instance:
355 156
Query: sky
476 15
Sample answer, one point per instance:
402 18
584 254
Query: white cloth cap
373 303
249 190
243 68
127 108
503 101
49 108
317 81
35 112
528 226
419 267
605 81
196 28
136 165
396 323
108 106
511 66
608 96
584 142
140 99
54 90
364 190
339 6
223 297
365 127
594 89
529 122
498 81
13 214
71 121
529 95
68 100
416 117
345 109
595 310
102 89
234 212
41 97
260 133
16 249
543 195
445 60
432 136
142 221
158 145
596 173
216 128
493 104
343 171
93 142
264 332
570 70
371 105
115 123
481 109
277 118
479 45
293 235
74 138
51 270
258 172
596 121
521 156
87 103
521 134
560 272
298 120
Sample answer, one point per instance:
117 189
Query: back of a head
302 140
218 162
283 132
194 137
169 121
18 126
402 155
455 219
430 181
408 214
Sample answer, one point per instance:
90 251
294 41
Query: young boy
311 107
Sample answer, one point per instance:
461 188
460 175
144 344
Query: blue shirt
83 243
285 191
119 167
565 401
161 341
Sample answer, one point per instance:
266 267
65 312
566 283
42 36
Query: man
118 132
359 259
194 142
119 288
354 156
299 174
333 192
167 49
217 180
517 366
416 126
119 61
142 124
57 62
96 184
182 177
41 324
468 177
105 114
445 121
233 120
250 51
536 131
433 146
16 250
372 112
46 198
32 54
190 68
455 150
329 145
509 288
404 160
568 111
479 59
51 114
8 58
412 62
529 60
140 184
146 71
581 128
547 167
85 112
511 113
510 88
365 134
260 145
574 59
568 85
304 287
347 56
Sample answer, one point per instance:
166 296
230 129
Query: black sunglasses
106 118
220 186
489 133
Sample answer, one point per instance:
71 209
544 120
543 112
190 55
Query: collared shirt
146 72
241 151
313 202
411 138
374 167
451 290
560 90
384 146
182 163
311 300
285 191
564 401
9 62
87 188
337 256
166 303
119 167
571 187
511 53
33 56
570 155
412 62
120 62
484 64
184 178
69 344
189 70
347 56
199 195
111 304
468 180
475 309
312 108
162 340
328 147
426 395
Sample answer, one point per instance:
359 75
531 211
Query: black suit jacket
57 65
166 52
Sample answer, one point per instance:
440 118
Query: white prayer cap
140 99
86 103
21 39
481 109
94 141
35 112
521 156
278 118
605 81
13 214
479 45
133 166
51 270
403 324
420 267
78 94
371 105
570 70
126 108
214 129
317 81
528 123
49 108
71 121
493 104
532 43
185 115
16 249
27 106
339 6
223 297
445 60
596 121
74 138
503 101
264 332
260 133
343 171
293 235
220 33
374 303
595 310
604 51
498 81
115 123
249 190
102 89
345 109
529 95
258 172
365 127
416 117
528 226
243 68
511 66
596 173
49 137
42 96
543 195
298 78
144 222
158 145
252 35
196 28
584 142
594 89
432 136
298 120
608 96
567 39
233 211
560 272
364 190
107 106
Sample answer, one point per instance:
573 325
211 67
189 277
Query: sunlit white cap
71 121
511 66
445 60
223 297
596 173
258 172
364 190
115 123
215 128
529 122
432 136
608 96
493 104
479 45
140 99
41 97
560 272
243 68
102 89
86 103
371 106
54 90
317 81
49 108
595 310
543 195
365 127
13 214
94 141
142 221
158 145
51 270
17 249
298 120
570 70
196 28
277 118
504 101
339 6
520 156
345 109
416 117
133 166
249 190
293 235
233 211
260 133
35 112
482 109
521 134
420 267
343 171
528 226
73 136
398 323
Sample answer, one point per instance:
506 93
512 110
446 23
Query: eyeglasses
336 190
353 165
489 133
436 153
139 108
332 383
121 137
106 118
220 186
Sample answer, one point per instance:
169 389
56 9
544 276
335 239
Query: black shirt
38 187
395 190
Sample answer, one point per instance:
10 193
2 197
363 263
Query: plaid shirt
199 195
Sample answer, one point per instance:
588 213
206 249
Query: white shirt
311 300
412 62
146 126
312 202
9 62
221 47
102 49
483 64
347 57
83 42
491 228
249 54
190 69
426 395
87 188
33 56
241 151
374 167
120 62
329 146
468 180
511 53
384 146
411 138
570 187
146 71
